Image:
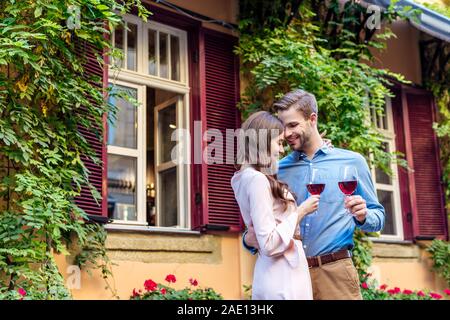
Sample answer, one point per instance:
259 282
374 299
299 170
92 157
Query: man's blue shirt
330 228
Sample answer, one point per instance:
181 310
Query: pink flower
406 291
163 290
364 285
383 287
435 296
193 282
420 293
22 292
171 278
150 285
447 292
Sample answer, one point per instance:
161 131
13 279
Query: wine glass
348 180
316 184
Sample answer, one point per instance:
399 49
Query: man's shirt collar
324 149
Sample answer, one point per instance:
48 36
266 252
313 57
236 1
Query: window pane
380 175
152 52
118 43
175 57
384 118
168 189
386 199
167 125
132 47
373 115
122 188
163 53
123 131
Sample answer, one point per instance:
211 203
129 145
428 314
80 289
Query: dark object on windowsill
98 219
425 238
215 227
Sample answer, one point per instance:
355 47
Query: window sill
149 229
395 249
161 245
390 241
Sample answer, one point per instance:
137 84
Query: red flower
22 292
435 296
447 292
150 285
394 291
135 293
406 291
364 285
163 290
421 294
193 282
383 287
171 278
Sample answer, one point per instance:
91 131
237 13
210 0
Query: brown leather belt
327 258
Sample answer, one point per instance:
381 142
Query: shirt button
304 246
307 224
310 163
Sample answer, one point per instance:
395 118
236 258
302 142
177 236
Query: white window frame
138 153
141 79
389 138
141 73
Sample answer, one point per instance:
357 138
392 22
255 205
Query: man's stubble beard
304 142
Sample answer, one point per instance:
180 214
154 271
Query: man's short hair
299 99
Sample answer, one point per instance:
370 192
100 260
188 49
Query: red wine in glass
348 181
348 187
315 188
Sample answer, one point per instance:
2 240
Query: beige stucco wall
407 266
216 261
220 262
402 53
224 10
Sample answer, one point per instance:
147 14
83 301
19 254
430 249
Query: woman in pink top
281 270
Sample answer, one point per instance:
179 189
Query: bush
440 253
370 291
158 291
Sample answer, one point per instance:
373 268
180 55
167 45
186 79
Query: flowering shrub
158 291
370 291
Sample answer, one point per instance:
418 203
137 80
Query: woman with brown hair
266 204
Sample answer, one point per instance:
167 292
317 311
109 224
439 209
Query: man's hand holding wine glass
357 207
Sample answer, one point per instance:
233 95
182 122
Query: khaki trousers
336 280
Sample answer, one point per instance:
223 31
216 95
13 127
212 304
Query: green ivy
42 88
278 60
440 254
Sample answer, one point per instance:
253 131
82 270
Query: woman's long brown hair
259 121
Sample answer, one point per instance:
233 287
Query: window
151 49
145 185
387 186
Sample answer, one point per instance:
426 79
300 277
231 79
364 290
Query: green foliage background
42 88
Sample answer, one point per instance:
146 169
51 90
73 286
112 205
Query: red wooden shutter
403 175
431 217
97 176
218 107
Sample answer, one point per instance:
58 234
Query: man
327 235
